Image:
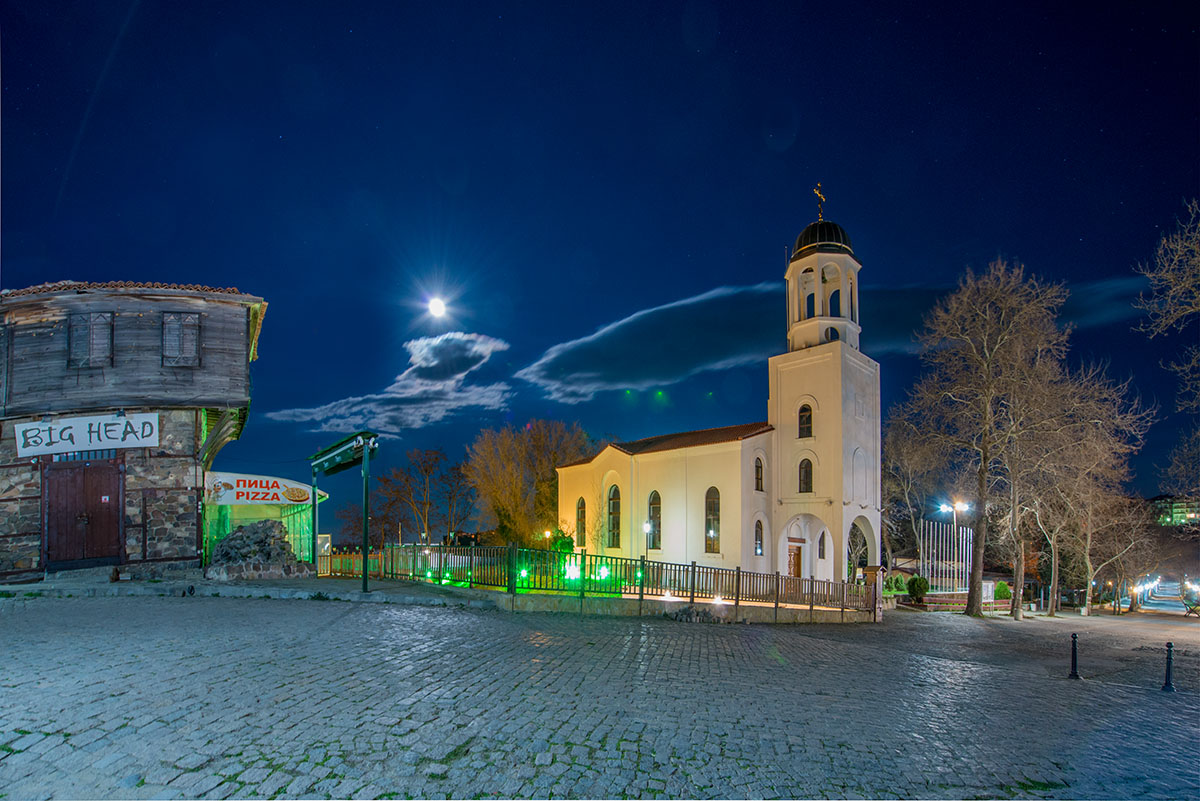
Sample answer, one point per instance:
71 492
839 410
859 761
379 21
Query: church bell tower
824 406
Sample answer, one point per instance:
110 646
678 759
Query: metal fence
531 570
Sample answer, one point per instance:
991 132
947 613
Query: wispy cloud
734 326
727 327
432 388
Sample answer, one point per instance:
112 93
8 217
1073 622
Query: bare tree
413 488
513 471
1174 300
912 467
977 346
458 496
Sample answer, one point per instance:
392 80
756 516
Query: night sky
603 193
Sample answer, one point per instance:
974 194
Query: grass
318 596
7 594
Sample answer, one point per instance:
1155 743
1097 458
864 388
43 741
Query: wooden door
83 523
794 562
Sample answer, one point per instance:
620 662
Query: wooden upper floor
76 346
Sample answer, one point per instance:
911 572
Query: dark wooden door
83 524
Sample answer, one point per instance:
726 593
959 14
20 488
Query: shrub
896 583
917 587
1003 593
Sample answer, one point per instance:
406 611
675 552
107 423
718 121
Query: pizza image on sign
239 488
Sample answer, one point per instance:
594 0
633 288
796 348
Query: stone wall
20 507
162 495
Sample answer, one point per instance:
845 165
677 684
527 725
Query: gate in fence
516 570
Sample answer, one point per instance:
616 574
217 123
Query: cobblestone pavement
216 697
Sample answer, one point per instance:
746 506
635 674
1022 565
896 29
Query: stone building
114 400
799 492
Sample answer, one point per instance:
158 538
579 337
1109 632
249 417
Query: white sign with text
87 434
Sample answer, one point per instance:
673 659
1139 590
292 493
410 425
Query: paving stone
392 699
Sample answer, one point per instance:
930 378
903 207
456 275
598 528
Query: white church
781 495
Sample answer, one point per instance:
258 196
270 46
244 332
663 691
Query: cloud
735 326
1104 301
430 390
726 327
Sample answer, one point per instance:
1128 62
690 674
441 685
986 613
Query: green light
658 394
629 392
428 574
639 574
524 573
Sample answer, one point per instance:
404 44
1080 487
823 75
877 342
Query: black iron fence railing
516 570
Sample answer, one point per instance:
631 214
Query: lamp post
954 509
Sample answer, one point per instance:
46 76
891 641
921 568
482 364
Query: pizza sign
239 488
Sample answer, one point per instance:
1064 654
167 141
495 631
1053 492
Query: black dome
825 236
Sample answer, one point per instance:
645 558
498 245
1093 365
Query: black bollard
1168 687
1074 657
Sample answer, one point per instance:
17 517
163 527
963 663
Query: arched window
831 334
712 521
810 306
758 538
614 517
758 474
821 546
805 475
580 523
654 518
853 310
835 303
804 420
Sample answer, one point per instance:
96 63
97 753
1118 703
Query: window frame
804 422
187 322
712 520
86 322
758 474
654 518
580 523
805 482
613 529
758 538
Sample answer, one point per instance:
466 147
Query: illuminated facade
784 494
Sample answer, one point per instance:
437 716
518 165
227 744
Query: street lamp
954 509
647 528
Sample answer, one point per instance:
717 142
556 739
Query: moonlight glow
437 307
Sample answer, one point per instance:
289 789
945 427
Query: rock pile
257 551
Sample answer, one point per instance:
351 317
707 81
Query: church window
831 334
712 521
758 538
804 420
654 520
835 303
821 546
580 523
614 517
810 306
758 474
805 475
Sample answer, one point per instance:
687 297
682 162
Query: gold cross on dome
820 202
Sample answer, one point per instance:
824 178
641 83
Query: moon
437 307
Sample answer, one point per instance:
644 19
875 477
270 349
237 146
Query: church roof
823 236
686 439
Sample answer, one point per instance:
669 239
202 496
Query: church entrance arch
805 548
862 548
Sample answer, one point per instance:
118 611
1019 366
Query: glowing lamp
603 572
572 572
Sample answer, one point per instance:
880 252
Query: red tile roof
72 286
686 439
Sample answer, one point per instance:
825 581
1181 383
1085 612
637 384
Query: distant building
784 494
1172 510
114 400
